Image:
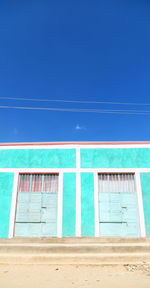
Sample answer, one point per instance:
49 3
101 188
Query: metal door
118 209
36 213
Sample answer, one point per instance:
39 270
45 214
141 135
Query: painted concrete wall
38 158
87 205
115 158
145 183
69 205
6 187
66 158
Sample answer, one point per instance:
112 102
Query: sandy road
43 276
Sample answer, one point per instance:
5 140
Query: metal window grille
38 183
116 183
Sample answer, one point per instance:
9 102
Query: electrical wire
99 111
75 101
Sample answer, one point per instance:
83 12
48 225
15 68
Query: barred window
38 183
116 182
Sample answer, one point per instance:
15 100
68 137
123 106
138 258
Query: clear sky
74 50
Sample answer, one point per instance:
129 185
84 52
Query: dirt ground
43 276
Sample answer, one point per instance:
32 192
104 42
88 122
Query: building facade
75 189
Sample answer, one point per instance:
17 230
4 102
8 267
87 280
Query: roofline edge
76 143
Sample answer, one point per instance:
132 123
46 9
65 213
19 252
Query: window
38 183
118 208
36 213
116 183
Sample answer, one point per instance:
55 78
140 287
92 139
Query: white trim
74 146
115 146
140 205
139 198
37 147
13 206
96 205
14 203
78 194
74 170
116 170
59 205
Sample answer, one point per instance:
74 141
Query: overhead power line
99 111
75 101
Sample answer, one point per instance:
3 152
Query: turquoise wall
66 158
115 158
6 188
145 182
38 158
69 205
87 205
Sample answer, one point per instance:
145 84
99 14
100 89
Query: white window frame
139 199
14 200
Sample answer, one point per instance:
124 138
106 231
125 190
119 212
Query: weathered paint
37 205
69 205
118 214
145 183
6 188
66 158
115 158
87 205
38 158
36 214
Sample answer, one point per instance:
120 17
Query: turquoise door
36 214
118 209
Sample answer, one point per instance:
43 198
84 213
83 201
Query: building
75 189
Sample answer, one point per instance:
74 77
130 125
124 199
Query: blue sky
74 50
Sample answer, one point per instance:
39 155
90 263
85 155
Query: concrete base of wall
85 251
